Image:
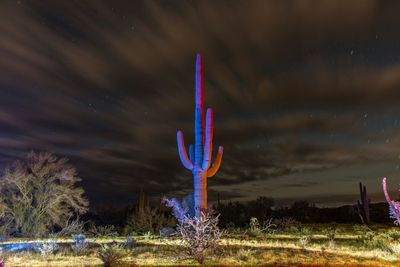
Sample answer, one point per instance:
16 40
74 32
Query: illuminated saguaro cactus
199 160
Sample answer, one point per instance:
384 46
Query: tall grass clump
80 244
111 254
256 229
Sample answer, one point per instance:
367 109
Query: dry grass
236 250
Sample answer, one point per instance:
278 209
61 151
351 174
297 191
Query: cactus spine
199 160
363 206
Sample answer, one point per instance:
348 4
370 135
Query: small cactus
363 205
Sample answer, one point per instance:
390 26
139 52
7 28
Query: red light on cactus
199 160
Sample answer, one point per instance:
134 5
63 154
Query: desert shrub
235 231
256 229
292 229
304 241
305 237
305 230
331 233
199 235
245 254
167 232
102 230
148 235
3 257
331 244
254 225
286 222
372 240
111 254
130 243
395 249
79 244
385 241
287 225
361 229
393 234
364 238
5 222
148 220
73 226
38 194
261 207
231 229
48 247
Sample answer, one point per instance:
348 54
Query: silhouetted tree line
238 214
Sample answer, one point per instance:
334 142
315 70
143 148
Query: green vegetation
376 245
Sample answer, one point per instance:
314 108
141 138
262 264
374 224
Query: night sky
305 94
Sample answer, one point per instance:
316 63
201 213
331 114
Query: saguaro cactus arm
217 163
385 192
208 140
182 151
394 207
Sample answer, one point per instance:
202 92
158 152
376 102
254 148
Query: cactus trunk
199 160
200 190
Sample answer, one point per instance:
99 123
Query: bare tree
200 235
40 193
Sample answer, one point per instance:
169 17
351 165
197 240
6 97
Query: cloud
108 84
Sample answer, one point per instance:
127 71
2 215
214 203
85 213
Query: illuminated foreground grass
237 250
